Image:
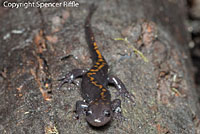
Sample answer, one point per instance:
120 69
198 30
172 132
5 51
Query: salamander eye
88 112
106 113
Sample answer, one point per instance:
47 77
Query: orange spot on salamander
95 48
100 86
99 54
88 74
97 63
94 70
102 94
91 78
95 44
100 59
95 83
102 65
104 90
95 66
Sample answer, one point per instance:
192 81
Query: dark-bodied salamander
97 104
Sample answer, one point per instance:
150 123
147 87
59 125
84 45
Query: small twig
134 49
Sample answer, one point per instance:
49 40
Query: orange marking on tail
94 70
102 65
97 63
95 66
100 59
95 48
99 54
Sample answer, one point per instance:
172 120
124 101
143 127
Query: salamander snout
98 114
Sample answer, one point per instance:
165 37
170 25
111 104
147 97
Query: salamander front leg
117 111
116 106
122 91
71 76
81 108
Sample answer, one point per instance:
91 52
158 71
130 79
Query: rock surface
38 46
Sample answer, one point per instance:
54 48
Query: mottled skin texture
97 104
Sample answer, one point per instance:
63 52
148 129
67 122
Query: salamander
97 105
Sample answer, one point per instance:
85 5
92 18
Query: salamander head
98 114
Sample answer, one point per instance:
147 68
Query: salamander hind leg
71 76
122 91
